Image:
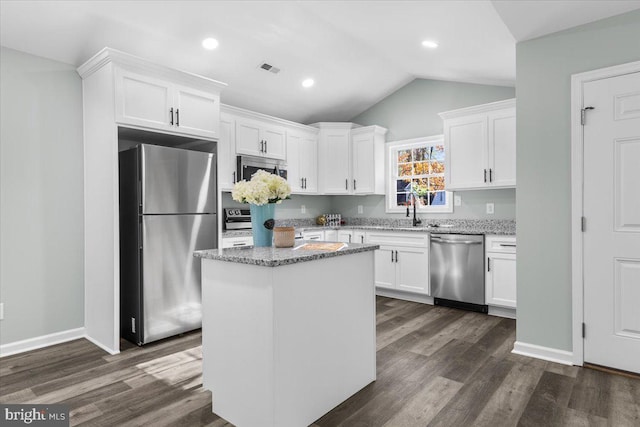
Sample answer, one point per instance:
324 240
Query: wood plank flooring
437 366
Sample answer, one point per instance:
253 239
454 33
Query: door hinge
583 114
584 328
583 224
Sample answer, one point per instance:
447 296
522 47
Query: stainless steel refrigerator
167 211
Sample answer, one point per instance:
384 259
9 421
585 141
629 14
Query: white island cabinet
287 335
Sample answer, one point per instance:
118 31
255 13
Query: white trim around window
391 193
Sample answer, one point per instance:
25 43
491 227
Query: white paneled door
612 213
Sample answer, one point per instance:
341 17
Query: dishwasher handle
456 242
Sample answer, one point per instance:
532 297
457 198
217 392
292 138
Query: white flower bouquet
263 188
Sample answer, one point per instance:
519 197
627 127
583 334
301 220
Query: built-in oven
248 165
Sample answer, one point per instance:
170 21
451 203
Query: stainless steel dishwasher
456 265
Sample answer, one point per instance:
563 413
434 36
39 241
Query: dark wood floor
436 366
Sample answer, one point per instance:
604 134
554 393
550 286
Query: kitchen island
287 333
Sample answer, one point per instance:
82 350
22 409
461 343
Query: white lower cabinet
313 235
500 275
402 262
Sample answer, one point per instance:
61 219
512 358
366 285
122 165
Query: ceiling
358 52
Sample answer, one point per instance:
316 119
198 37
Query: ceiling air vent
269 67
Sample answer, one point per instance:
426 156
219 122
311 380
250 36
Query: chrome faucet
416 221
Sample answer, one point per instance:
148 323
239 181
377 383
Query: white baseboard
509 313
102 346
40 342
544 353
407 296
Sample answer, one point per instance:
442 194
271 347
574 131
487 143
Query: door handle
354 185
456 242
485 175
490 175
346 184
171 113
262 146
234 177
177 117
266 148
488 264
396 256
391 256
361 239
508 245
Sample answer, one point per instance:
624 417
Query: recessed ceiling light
430 44
210 43
307 83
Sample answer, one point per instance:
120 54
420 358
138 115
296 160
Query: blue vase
262 224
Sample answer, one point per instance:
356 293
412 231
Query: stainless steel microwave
248 165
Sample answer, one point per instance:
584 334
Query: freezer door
177 181
171 285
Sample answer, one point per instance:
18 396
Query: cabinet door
501 280
363 163
345 236
313 235
502 148
465 142
196 112
385 267
143 101
308 162
274 142
335 161
249 137
331 235
226 153
294 173
358 236
413 269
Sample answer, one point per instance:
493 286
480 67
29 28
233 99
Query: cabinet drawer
500 244
236 242
413 239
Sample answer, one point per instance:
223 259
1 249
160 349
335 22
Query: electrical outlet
1 311
303 209
360 209
490 208
457 200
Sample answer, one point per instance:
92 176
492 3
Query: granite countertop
457 226
274 257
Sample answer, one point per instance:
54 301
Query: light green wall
543 208
41 197
411 112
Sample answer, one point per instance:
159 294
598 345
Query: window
416 168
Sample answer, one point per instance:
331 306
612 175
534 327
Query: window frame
392 169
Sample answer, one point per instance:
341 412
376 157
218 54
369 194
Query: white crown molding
335 125
545 353
237 111
134 63
376 129
478 109
40 342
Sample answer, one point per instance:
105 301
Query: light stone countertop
459 226
274 257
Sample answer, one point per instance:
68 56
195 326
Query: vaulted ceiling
358 52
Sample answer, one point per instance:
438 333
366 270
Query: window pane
420 186
403 185
404 169
404 156
420 154
438 198
437 167
436 183
437 153
401 199
421 168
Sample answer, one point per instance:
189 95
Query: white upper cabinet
155 103
227 153
334 161
351 161
480 145
367 147
302 161
259 138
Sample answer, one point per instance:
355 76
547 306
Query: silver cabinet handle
234 177
508 245
346 184
354 185
171 113
177 117
485 175
488 264
240 244
490 175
